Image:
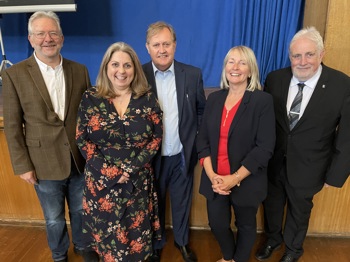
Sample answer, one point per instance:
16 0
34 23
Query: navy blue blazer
317 150
250 143
191 102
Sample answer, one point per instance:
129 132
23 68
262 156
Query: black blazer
191 102
317 150
250 143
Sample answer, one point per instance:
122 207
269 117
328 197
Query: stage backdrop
206 30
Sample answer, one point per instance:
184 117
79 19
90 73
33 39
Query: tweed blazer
37 139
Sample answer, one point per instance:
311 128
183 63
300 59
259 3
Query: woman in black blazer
235 143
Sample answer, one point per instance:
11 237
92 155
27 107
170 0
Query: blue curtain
206 30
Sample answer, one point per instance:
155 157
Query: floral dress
119 220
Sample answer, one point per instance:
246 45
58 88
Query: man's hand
29 177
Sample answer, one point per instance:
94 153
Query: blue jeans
52 195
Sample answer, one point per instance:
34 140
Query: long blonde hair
248 54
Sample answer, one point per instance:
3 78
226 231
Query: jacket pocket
33 142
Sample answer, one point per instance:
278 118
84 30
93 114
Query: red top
226 120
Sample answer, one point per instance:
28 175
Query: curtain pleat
206 30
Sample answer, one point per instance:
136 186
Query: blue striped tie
295 108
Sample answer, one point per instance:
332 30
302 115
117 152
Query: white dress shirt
167 96
56 86
307 91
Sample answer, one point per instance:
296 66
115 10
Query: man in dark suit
179 88
41 98
312 107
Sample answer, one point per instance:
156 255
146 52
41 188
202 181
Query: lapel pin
323 86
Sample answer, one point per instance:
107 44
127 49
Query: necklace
227 112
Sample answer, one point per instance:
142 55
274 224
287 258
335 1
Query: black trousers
219 216
299 205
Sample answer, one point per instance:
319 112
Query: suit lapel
180 77
150 77
39 82
68 78
280 89
284 95
216 115
240 112
317 99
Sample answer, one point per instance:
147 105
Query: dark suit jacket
317 150
37 139
191 102
250 143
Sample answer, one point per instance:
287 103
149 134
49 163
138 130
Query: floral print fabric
119 220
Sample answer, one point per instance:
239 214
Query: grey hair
310 33
43 14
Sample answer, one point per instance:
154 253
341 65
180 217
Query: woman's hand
124 178
219 185
224 184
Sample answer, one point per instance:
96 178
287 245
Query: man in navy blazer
315 152
179 88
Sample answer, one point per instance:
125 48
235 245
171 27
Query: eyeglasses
41 35
308 55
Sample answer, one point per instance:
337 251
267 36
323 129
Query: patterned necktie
295 108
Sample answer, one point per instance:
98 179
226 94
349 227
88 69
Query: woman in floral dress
119 130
